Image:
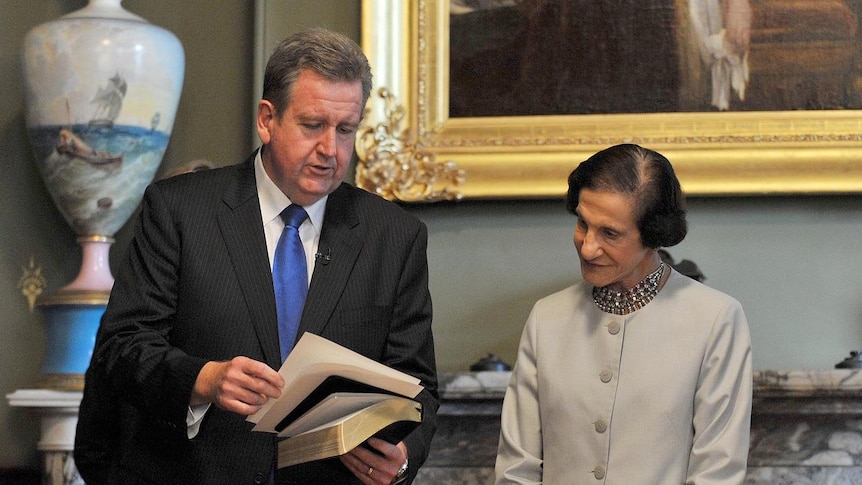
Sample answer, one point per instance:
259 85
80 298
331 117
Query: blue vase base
70 338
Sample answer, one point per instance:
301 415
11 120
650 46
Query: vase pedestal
95 273
58 415
71 320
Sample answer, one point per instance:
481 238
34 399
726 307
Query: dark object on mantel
852 362
685 266
490 362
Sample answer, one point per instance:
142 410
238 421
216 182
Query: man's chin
311 193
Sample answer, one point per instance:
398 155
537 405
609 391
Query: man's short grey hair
331 55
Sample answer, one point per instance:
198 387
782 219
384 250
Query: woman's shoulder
684 288
569 297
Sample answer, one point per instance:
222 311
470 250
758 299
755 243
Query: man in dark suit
189 343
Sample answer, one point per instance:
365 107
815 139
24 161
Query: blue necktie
289 278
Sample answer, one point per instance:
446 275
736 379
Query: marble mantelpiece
806 428
465 446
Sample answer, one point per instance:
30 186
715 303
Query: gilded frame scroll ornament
395 167
714 153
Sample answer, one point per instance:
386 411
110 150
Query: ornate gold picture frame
408 128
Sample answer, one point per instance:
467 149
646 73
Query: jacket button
601 426
599 472
606 375
614 328
259 478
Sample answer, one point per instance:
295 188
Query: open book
361 416
333 400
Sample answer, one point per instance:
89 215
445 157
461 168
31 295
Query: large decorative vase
102 89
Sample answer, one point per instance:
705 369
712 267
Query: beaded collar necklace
623 303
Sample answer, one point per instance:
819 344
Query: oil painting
542 57
745 97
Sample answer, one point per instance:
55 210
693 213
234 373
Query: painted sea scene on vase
101 100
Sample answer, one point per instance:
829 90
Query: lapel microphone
324 258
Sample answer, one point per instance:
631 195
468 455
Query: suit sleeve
133 349
410 345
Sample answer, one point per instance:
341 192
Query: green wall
793 262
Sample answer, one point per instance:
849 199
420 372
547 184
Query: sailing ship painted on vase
109 101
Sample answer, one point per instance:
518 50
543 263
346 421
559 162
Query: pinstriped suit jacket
196 286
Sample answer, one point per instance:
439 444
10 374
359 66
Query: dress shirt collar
273 200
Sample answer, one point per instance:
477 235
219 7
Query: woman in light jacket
637 374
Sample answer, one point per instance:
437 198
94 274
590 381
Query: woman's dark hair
648 177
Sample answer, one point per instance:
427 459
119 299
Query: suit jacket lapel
341 239
240 224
